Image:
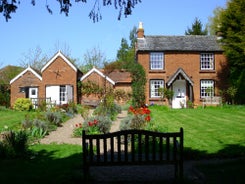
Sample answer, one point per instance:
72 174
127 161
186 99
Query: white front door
179 98
33 92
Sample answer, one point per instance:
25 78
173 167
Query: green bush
23 104
126 122
14 144
104 124
37 128
54 118
93 125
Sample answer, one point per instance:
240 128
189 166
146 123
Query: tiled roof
178 43
120 76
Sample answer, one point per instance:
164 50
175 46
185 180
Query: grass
208 132
224 172
49 164
12 119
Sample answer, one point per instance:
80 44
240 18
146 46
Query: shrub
104 124
37 128
126 122
93 125
14 144
23 104
137 118
108 109
54 118
84 112
90 125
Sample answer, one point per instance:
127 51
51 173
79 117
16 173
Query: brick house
118 80
57 81
191 66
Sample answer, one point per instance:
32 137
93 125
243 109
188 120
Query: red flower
148 118
95 122
90 124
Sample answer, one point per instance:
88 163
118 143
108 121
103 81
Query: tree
196 29
137 71
6 74
93 58
125 7
214 22
231 23
34 58
126 53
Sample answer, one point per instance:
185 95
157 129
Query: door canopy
179 72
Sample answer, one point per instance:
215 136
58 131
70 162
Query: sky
33 27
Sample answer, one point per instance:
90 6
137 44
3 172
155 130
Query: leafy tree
214 22
6 74
34 58
126 55
124 6
93 58
122 53
197 28
232 26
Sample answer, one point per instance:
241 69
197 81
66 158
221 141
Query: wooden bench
133 147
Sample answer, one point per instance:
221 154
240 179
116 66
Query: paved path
64 134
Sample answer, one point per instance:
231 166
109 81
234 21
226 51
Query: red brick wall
28 79
190 63
59 73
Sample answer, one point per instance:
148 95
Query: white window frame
63 92
207 61
156 61
204 84
155 84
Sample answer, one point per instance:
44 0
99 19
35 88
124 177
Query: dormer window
207 61
156 61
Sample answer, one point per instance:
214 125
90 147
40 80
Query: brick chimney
140 31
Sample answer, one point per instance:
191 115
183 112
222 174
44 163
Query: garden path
64 133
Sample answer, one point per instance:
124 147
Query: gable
29 69
176 74
94 70
58 54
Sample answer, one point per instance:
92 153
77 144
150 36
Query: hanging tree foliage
125 7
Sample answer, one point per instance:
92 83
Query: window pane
156 60
207 61
154 86
207 88
62 93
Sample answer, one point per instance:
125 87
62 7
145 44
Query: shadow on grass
45 167
229 151
53 166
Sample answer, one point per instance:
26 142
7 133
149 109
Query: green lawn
50 164
207 132
12 119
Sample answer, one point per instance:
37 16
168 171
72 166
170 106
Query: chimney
140 32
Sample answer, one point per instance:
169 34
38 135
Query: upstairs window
207 61
154 88
207 88
156 61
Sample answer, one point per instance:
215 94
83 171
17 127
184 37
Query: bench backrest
133 147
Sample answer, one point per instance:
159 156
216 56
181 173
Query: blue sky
32 27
